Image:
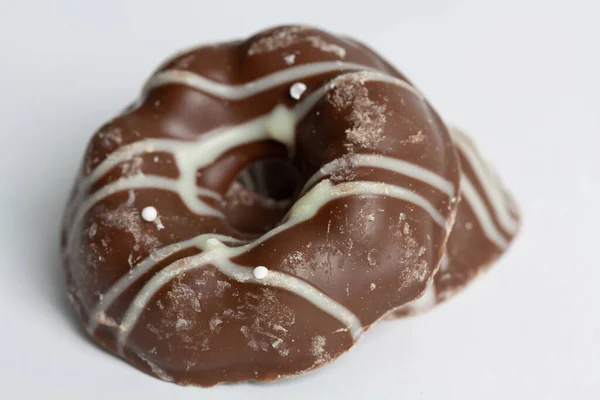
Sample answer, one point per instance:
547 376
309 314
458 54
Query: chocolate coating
472 246
375 195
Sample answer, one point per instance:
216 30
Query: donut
487 220
260 206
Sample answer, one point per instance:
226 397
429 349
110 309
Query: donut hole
261 195
273 179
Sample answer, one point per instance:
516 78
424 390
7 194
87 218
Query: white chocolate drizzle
388 163
249 89
481 213
278 125
117 289
189 194
492 189
220 255
489 182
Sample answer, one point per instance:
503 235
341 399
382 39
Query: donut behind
487 221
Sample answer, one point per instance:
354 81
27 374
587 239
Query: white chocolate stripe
240 274
200 153
141 300
214 144
309 204
481 213
387 190
245 90
108 298
279 125
305 208
190 156
126 153
361 76
390 164
189 195
491 187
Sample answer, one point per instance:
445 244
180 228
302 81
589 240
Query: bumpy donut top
178 265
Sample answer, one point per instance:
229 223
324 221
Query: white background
523 76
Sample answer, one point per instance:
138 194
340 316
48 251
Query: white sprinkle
297 89
373 286
260 272
149 214
453 201
289 59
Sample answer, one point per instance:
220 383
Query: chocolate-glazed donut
178 265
